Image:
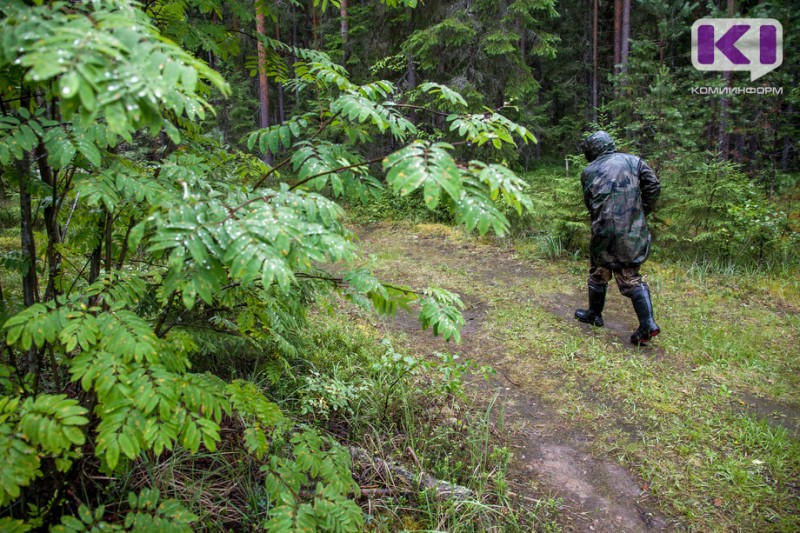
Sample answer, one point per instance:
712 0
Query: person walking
619 191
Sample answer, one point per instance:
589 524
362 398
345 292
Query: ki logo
754 45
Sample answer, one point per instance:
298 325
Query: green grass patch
680 414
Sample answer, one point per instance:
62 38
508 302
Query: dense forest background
188 315
564 69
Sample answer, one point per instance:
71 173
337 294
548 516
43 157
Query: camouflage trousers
627 278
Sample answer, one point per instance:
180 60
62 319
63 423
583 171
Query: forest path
554 452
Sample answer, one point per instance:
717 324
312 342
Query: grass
678 415
349 382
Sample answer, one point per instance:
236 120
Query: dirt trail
553 456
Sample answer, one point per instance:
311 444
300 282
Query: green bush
180 247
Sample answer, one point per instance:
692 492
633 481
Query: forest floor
698 431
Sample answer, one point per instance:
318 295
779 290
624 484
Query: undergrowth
348 387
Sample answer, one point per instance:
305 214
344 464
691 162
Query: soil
553 458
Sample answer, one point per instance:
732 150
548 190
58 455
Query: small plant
310 490
146 514
322 395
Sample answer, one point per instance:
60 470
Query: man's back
619 190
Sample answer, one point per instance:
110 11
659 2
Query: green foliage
110 63
557 215
145 513
32 429
424 164
440 310
320 467
715 210
444 94
322 396
171 233
258 413
278 137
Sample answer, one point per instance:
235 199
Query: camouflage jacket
619 191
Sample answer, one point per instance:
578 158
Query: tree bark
443 490
594 62
30 281
345 29
95 260
211 59
624 46
295 45
412 70
50 224
723 138
617 34
787 142
586 60
263 82
314 26
281 108
774 161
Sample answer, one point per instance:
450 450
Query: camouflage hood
619 190
597 144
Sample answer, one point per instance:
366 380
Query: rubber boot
640 297
593 315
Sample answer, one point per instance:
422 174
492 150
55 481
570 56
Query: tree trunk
787 142
314 26
723 138
412 69
211 58
295 45
281 109
617 34
50 224
586 60
345 43
97 255
774 161
30 282
263 82
624 46
594 62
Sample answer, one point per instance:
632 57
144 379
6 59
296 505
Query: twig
124 250
509 379
285 161
163 315
335 170
69 218
414 457
419 107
